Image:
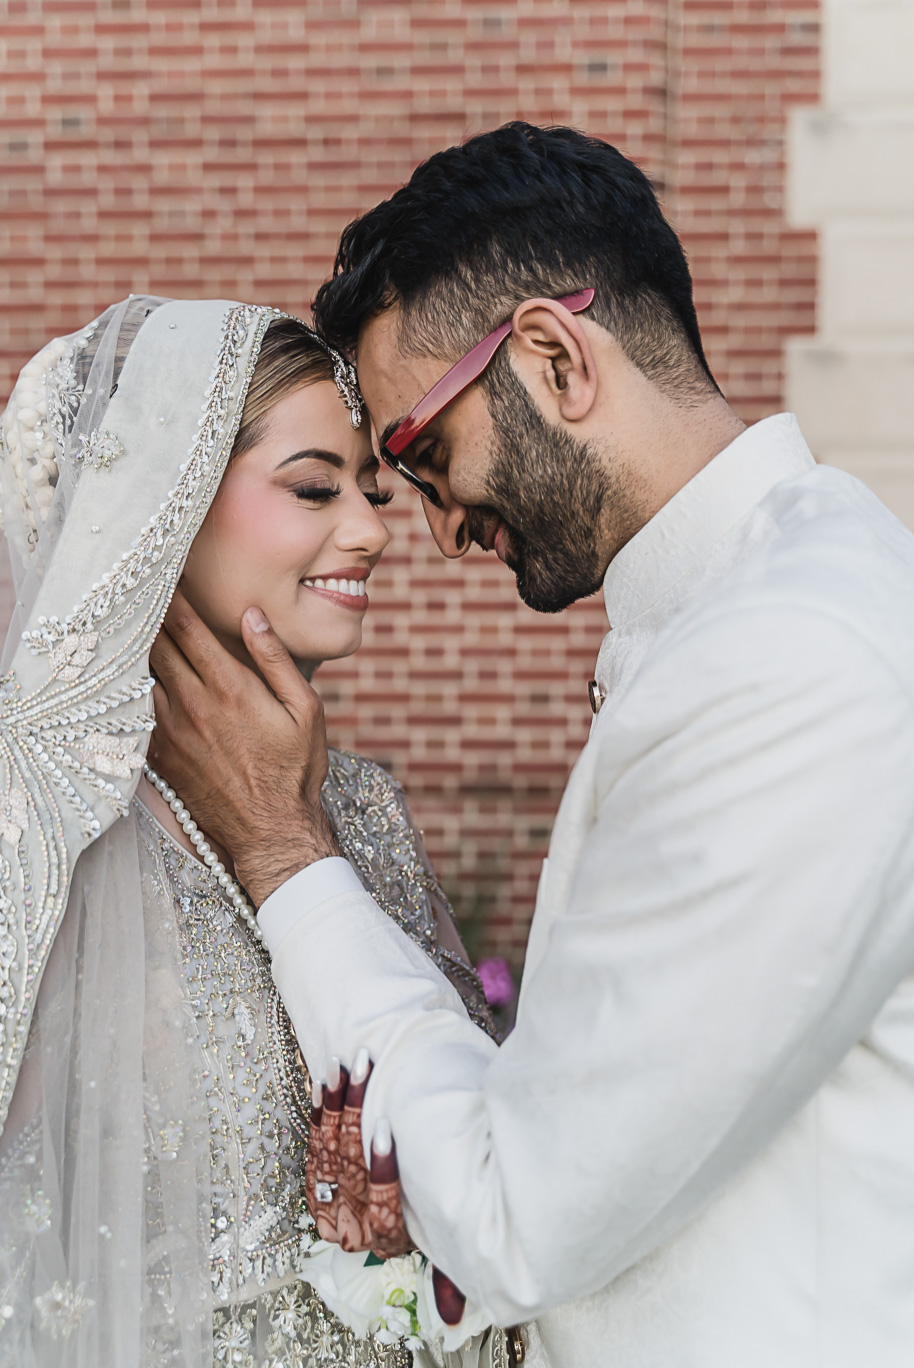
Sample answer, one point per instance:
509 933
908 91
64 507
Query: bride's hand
351 1205
247 760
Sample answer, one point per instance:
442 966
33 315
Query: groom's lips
489 536
498 542
492 536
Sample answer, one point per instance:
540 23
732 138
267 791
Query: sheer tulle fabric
90 1283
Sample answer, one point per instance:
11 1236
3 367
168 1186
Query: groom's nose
448 523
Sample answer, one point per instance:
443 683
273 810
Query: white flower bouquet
391 1298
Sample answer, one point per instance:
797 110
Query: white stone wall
851 176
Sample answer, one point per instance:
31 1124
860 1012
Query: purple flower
496 981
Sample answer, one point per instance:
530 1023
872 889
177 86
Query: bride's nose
361 528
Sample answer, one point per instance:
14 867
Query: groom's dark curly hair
513 214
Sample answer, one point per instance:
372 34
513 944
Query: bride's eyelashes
378 498
317 493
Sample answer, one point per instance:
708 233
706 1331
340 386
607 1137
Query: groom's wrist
273 862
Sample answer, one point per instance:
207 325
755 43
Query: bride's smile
346 587
294 528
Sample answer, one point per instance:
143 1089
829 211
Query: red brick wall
217 148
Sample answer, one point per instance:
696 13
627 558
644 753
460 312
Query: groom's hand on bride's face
247 760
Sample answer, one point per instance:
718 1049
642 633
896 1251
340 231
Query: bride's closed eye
317 493
322 494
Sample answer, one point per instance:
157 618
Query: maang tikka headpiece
345 378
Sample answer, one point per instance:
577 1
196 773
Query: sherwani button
596 694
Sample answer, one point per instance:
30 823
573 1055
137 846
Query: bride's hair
290 357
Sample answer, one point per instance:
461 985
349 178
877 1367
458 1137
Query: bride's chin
309 655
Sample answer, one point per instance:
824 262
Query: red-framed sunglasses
448 388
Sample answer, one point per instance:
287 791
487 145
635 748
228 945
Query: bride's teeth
351 587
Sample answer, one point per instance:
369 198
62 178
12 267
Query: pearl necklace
209 857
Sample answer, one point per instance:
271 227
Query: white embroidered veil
113 445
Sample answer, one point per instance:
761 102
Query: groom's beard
551 492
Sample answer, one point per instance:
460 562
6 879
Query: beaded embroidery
98 450
61 1309
370 814
140 569
302 1334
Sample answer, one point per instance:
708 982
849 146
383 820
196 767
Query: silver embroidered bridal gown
256 1087
153 1104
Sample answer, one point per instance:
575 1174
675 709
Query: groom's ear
553 356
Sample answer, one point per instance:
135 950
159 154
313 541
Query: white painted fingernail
333 1074
317 1095
382 1142
360 1066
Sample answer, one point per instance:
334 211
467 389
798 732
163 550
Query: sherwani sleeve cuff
293 900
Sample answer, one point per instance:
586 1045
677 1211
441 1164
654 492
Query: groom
696 1150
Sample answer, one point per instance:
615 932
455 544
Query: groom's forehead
392 381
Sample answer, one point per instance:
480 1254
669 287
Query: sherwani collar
679 537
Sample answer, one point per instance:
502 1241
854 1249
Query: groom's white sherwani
697 1148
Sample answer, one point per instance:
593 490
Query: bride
153 1104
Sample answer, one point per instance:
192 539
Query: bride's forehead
317 406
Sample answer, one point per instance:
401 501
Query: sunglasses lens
427 490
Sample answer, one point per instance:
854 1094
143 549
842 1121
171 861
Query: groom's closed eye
431 457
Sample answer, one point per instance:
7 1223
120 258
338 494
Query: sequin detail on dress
371 818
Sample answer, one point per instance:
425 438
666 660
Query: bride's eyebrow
314 454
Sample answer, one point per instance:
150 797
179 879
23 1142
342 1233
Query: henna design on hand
352 1223
389 1236
327 1167
364 1210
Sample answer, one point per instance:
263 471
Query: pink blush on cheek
247 518
261 535
242 506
